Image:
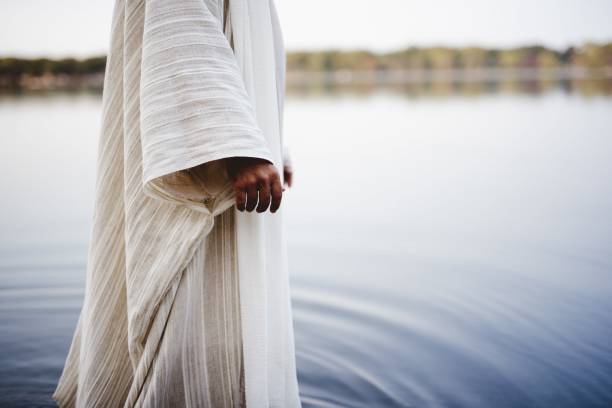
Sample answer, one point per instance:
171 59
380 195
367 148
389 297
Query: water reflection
417 89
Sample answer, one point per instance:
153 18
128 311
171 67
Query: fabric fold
194 107
191 108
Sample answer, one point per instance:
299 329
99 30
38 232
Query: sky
80 28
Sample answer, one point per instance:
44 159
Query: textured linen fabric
199 361
177 95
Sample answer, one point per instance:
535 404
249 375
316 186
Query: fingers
251 197
241 199
258 187
277 194
264 195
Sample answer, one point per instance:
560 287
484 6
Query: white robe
178 94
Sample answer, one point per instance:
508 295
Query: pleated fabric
177 95
199 361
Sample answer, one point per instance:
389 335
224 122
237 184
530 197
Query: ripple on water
442 347
476 337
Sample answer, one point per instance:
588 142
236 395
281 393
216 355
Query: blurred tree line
14 68
70 72
590 56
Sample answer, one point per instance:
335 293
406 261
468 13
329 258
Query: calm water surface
447 251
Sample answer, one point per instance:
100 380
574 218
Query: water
446 250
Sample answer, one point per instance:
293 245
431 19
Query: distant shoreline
416 76
330 67
419 79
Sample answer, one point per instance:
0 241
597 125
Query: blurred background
450 228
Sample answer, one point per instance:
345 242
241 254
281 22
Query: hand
288 175
254 177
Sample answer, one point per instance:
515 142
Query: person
187 293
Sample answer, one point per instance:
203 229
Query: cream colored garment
175 96
199 361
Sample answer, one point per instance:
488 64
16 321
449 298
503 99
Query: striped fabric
186 300
199 361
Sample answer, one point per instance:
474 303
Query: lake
447 249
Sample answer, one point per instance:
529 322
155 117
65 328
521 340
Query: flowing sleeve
194 108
